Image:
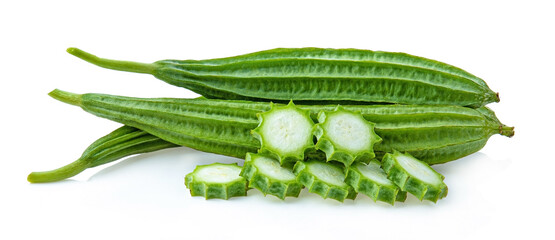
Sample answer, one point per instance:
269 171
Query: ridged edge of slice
236 188
266 184
333 151
373 189
284 158
407 182
320 187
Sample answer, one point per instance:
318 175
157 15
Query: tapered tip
67 97
30 178
71 50
81 54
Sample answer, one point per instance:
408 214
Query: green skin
412 184
124 141
306 176
434 134
312 74
236 188
284 157
339 54
267 184
377 191
335 151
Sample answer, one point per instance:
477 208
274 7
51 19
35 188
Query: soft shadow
166 157
448 167
65 181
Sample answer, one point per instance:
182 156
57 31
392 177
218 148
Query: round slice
285 133
216 180
345 136
268 176
372 181
325 179
414 176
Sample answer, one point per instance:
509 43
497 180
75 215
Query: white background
503 191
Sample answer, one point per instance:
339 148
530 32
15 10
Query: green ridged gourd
122 142
317 75
433 134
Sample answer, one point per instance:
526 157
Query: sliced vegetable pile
357 121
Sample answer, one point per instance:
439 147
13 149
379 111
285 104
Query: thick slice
267 175
216 180
372 181
325 179
124 141
414 176
345 136
285 133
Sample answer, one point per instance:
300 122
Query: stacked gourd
357 121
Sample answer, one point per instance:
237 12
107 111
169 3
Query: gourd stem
67 97
113 64
62 173
506 131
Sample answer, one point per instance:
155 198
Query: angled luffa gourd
317 75
122 142
433 134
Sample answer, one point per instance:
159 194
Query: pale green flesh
327 173
348 131
218 174
374 172
286 130
418 170
271 168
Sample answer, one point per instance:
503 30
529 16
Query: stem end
67 97
506 131
62 173
126 66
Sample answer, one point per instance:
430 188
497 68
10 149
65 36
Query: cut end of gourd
216 180
507 131
345 136
414 176
497 97
269 177
67 97
284 132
